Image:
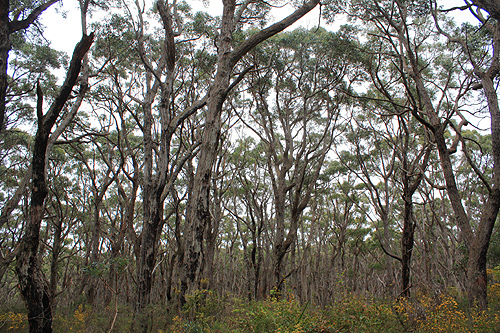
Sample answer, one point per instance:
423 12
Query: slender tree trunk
407 242
56 250
211 236
32 283
412 177
4 56
279 246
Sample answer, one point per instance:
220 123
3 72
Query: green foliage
354 315
102 268
206 312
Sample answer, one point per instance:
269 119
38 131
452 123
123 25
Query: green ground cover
206 312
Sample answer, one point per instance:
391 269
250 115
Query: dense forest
185 166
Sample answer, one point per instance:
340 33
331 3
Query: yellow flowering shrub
12 321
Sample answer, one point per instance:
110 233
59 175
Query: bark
212 229
152 187
477 279
410 185
491 6
158 185
407 240
31 280
56 251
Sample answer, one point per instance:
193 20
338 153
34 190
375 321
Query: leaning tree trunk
32 283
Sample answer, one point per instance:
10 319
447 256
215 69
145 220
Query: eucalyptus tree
16 142
482 54
406 28
28 270
248 203
401 155
229 53
102 167
370 154
114 172
393 99
31 59
341 210
65 204
171 81
32 284
293 109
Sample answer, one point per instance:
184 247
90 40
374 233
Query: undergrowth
206 312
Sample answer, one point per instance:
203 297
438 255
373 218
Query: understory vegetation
208 312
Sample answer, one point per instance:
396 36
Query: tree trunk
279 240
147 258
412 177
477 278
407 243
154 185
476 269
4 56
56 250
32 283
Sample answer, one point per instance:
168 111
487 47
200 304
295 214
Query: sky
64 31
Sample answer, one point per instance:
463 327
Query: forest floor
206 312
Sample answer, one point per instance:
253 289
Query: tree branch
270 31
23 24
